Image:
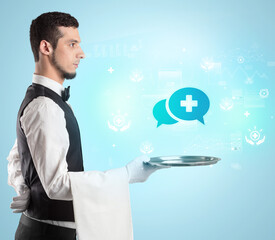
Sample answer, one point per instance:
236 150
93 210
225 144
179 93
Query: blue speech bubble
189 104
161 115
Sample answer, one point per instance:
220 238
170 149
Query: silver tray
182 161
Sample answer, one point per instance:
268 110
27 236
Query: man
45 163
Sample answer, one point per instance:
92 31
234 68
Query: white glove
139 169
21 202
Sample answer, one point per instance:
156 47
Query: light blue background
235 198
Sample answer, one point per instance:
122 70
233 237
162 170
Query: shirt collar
49 83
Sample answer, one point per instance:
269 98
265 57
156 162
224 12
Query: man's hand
139 169
21 202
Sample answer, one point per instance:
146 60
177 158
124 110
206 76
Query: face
67 55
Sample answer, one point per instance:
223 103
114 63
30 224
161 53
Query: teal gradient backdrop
224 48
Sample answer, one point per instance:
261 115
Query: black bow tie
65 94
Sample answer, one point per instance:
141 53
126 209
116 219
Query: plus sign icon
255 137
184 104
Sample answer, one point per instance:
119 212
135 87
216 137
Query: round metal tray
183 161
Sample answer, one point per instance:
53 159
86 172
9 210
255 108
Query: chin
68 75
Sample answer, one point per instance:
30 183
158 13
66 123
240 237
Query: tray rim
213 160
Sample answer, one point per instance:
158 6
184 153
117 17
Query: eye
72 44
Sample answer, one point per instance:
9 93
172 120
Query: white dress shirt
101 200
44 125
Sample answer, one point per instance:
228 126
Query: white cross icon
118 121
188 103
255 135
111 70
246 113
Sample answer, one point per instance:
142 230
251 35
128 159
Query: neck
49 72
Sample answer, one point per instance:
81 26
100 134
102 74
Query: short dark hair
45 27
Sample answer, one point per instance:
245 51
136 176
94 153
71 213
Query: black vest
41 206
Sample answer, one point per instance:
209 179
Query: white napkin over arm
101 202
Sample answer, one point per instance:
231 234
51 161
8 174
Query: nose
81 54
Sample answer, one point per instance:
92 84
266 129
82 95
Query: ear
45 48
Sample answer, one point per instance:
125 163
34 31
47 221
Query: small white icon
240 59
264 93
246 113
146 147
255 137
226 104
119 123
136 76
207 64
110 70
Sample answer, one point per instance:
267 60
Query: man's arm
16 180
44 125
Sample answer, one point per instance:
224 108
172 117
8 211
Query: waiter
45 163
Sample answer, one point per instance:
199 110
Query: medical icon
255 137
136 76
264 93
110 70
146 147
226 104
119 123
240 59
184 104
246 114
161 115
207 64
